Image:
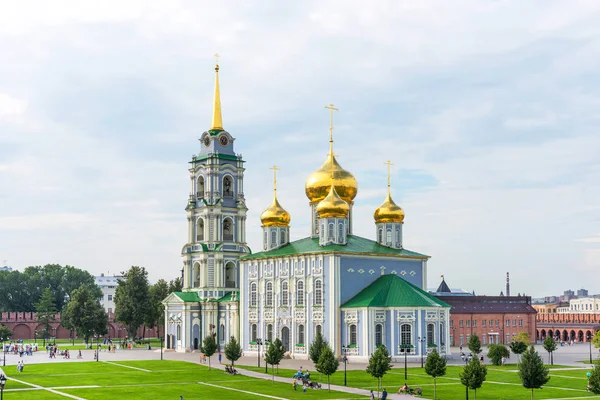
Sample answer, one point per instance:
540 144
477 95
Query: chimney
507 284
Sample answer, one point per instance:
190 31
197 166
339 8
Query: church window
300 293
378 335
442 338
269 333
352 334
380 236
282 236
227 230
269 294
300 334
318 292
253 333
227 187
406 334
253 294
196 282
222 333
318 330
388 236
430 334
341 233
331 232
178 332
273 238
200 188
265 241
200 230
284 294
397 235
323 230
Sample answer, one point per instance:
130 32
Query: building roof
392 291
443 288
356 244
489 304
188 297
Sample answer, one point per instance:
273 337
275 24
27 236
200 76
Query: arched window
200 230
378 335
318 292
430 334
253 295
196 282
352 334
331 231
273 237
323 231
230 275
269 294
227 187
397 235
442 338
318 330
253 333
341 233
285 301
227 230
200 187
300 293
406 334
178 332
300 334
269 333
222 333
282 236
265 240
389 236
380 236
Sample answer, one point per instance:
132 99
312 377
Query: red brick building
495 319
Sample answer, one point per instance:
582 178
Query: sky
489 111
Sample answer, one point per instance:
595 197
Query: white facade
108 285
586 305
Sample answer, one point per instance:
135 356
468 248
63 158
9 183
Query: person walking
220 357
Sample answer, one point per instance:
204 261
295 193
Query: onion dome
389 211
275 215
318 184
333 206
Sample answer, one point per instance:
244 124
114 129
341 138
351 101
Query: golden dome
333 206
319 182
389 211
275 215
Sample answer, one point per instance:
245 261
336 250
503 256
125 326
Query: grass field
503 383
144 380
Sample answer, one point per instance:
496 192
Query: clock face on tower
207 141
223 140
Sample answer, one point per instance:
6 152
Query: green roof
188 297
216 155
356 244
227 297
392 291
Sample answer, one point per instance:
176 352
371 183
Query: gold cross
331 109
389 164
217 58
275 169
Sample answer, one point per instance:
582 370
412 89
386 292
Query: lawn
145 380
502 383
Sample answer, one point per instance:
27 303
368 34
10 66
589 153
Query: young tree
327 364
436 366
379 364
175 285
233 350
84 313
132 299
280 351
594 379
5 334
316 347
496 352
272 357
532 371
209 347
475 345
518 348
523 337
473 375
156 310
550 346
46 311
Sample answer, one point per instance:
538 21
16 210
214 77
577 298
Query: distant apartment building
6 268
108 285
586 305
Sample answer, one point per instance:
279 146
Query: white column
392 332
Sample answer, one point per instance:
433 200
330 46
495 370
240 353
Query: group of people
20 348
384 394
230 370
20 366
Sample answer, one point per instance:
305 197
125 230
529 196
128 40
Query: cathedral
357 292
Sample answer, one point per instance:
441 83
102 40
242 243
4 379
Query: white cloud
10 106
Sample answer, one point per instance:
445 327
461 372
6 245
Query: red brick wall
529 326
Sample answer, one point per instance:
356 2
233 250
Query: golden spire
389 211
275 215
331 109
217 121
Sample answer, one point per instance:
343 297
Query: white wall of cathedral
389 234
315 224
275 236
333 231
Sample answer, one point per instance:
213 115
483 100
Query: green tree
209 347
523 337
316 347
280 351
327 364
5 334
596 339
532 371
435 367
473 375
85 314
594 379
496 352
379 365
46 311
272 357
175 285
550 346
518 348
132 299
156 310
233 350
475 344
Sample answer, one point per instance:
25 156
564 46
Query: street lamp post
405 348
161 348
344 350
422 340
258 344
4 351
2 383
589 338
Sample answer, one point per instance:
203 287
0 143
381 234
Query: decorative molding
299 315
406 317
351 317
412 273
253 316
361 271
317 316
